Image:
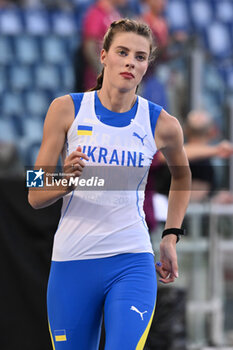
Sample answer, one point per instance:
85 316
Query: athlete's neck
117 101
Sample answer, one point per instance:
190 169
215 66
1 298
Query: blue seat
201 12
29 150
33 129
17 122
6 50
68 77
27 49
54 49
7 133
11 21
36 103
47 77
12 103
20 77
224 11
218 40
178 16
37 22
64 23
3 80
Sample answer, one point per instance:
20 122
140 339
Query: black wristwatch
175 231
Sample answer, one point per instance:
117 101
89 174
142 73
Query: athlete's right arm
57 122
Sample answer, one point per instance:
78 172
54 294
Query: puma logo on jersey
133 308
139 137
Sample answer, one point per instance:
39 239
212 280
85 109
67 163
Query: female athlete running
102 259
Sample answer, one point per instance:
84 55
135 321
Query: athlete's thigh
75 302
129 305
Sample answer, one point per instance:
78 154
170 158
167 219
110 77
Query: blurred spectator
152 88
96 21
9 3
199 131
155 18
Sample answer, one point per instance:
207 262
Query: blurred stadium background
38 45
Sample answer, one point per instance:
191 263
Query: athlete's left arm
169 139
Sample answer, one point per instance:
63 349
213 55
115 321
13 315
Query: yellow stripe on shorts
143 338
51 336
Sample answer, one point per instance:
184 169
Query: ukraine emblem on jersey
60 335
84 130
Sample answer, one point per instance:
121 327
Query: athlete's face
126 61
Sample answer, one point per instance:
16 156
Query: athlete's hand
167 268
73 164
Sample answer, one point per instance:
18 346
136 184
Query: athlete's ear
103 56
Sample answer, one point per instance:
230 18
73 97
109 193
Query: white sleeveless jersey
107 221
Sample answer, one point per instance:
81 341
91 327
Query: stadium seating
224 11
33 129
28 150
201 13
26 49
17 124
36 103
37 22
178 16
11 21
54 50
20 77
7 133
219 41
63 23
37 49
3 80
47 76
6 50
12 103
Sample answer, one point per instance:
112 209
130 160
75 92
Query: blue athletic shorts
122 286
